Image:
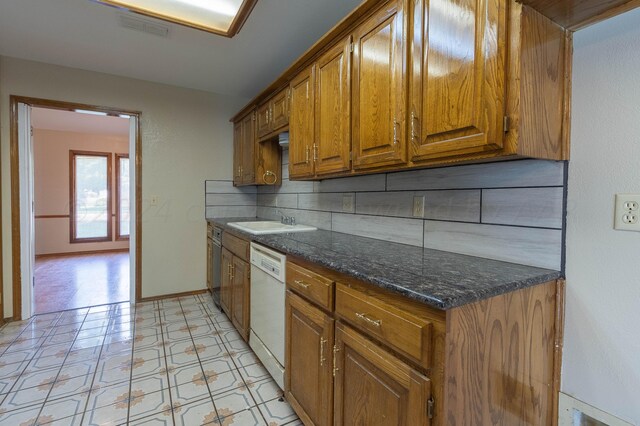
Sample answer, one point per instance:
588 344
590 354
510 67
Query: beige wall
51 166
186 139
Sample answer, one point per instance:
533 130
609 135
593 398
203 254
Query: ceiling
86 35
68 121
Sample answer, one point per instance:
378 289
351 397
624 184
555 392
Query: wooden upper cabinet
248 150
237 153
226 286
308 361
373 387
280 110
332 147
263 122
457 92
301 125
240 299
379 83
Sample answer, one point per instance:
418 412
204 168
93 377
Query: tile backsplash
511 211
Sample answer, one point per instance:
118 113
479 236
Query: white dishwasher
267 309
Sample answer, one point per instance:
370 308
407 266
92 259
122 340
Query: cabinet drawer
400 330
236 245
209 230
313 286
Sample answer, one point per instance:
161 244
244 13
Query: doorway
75 205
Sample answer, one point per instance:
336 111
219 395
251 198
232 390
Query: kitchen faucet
286 220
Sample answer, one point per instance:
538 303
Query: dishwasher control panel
269 261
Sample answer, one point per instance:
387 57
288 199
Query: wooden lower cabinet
308 356
210 264
225 281
373 387
241 287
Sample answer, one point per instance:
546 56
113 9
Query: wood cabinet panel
210 264
280 110
226 287
241 287
374 388
236 245
379 84
458 77
248 150
332 149
237 153
301 125
394 327
263 119
308 350
310 285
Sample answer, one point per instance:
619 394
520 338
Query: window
223 17
122 197
90 207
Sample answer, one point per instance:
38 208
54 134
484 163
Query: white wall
187 138
601 363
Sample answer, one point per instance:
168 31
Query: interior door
240 298
308 361
27 214
379 85
333 109
301 125
457 95
225 282
248 150
373 387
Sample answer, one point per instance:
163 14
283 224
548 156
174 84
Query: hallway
79 281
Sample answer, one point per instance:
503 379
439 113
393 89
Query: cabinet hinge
506 123
430 407
351 48
351 156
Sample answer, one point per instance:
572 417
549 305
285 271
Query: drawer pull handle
322 359
302 284
364 317
335 367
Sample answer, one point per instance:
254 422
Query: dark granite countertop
440 279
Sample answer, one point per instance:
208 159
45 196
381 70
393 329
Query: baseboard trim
76 253
174 295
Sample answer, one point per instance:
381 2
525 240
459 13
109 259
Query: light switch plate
348 203
627 212
418 206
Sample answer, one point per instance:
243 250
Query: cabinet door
263 119
457 94
379 83
240 299
237 153
280 110
248 150
374 388
308 361
333 110
225 282
301 125
209 264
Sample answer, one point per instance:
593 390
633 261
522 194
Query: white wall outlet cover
348 203
418 206
627 212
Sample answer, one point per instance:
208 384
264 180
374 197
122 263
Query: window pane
91 197
124 196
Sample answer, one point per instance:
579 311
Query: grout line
166 362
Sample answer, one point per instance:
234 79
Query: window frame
117 158
72 198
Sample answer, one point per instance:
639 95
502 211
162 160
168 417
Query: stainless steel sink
269 227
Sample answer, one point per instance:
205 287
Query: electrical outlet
348 205
418 206
155 200
627 212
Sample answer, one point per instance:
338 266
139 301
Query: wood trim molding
53 216
174 295
118 237
237 23
79 253
73 239
14 100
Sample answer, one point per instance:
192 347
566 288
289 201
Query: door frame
15 188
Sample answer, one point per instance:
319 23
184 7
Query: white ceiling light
85 111
224 17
